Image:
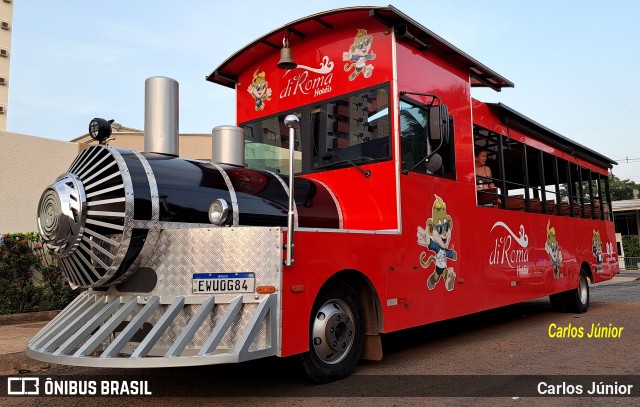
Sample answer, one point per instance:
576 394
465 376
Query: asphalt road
498 350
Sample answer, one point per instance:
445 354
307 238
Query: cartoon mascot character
596 247
358 55
553 250
259 89
438 231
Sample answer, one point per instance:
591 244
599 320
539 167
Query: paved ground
13 340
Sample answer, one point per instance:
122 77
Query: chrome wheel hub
333 331
583 290
61 214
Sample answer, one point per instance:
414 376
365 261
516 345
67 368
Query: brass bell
286 58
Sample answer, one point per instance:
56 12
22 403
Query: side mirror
439 125
434 163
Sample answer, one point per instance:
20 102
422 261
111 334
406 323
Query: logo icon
23 386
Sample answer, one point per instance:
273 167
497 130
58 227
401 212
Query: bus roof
512 118
227 73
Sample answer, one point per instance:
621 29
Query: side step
152 331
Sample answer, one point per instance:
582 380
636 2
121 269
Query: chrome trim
153 186
227 145
159 225
161 115
232 194
129 212
97 257
396 126
152 234
292 122
62 212
332 331
224 212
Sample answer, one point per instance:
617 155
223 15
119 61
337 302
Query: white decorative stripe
152 235
153 187
232 193
325 67
286 190
523 239
335 200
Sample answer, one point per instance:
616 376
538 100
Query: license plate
221 283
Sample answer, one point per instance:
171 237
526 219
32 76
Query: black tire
557 302
336 334
577 300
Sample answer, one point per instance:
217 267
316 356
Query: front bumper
167 325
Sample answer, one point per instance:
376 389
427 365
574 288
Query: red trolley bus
410 202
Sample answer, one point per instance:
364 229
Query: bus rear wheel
336 335
576 300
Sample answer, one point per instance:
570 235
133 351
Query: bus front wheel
336 334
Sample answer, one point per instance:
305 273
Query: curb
13 319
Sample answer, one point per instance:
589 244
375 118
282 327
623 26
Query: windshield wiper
366 173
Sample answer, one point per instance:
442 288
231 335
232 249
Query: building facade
195 146
6 25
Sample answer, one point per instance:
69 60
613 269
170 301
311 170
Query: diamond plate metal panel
179 253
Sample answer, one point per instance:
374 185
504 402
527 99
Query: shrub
631 246
30 279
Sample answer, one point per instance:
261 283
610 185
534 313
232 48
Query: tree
621 189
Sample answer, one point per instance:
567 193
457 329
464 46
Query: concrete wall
194 146
27 166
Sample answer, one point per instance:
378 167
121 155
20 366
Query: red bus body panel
500 255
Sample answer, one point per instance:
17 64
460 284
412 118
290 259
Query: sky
573 62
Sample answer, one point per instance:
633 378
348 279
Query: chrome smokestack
161 114
227 145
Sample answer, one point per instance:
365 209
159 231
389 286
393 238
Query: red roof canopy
227 73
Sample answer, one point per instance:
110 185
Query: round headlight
218 212
100 129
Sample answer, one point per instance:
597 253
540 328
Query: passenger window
516 177
488 180
551 190
524 178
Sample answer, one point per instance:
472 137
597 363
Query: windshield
352 128
266 145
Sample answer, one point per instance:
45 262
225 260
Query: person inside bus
484 178
483 172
